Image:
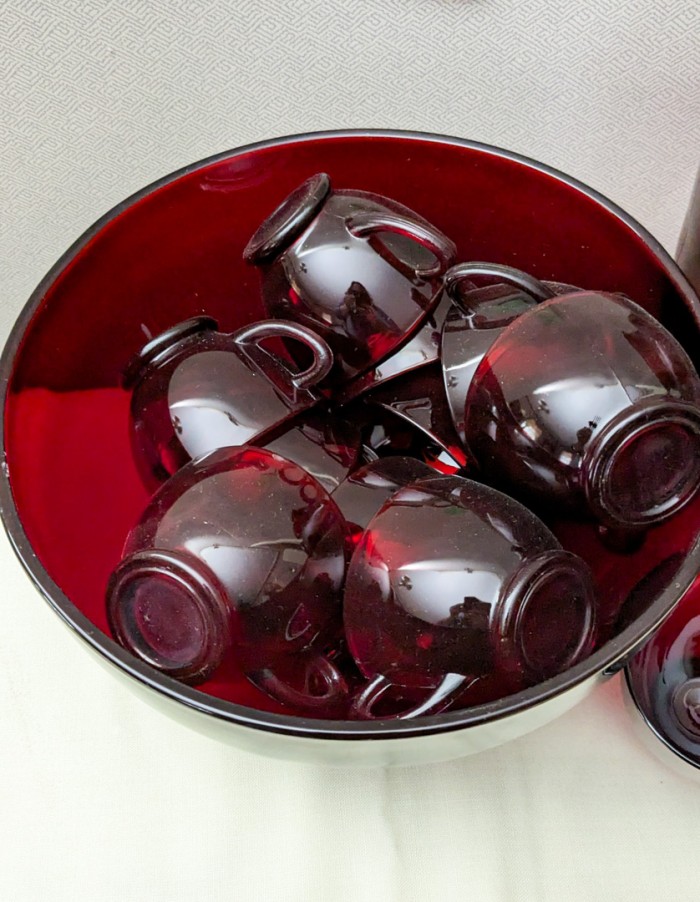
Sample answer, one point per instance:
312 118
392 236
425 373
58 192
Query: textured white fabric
102 798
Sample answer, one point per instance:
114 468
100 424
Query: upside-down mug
195 390
584 402
360 269
453 581
204 575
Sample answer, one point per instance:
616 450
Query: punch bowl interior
70 490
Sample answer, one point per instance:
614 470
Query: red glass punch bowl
70 490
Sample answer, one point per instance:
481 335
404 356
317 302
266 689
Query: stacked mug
353 499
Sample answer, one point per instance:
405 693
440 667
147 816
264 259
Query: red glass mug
584 402
453 581
360 269
195 390
240 552
476 317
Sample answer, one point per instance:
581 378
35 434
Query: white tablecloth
101 797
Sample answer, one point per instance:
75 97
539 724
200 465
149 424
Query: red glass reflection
203 557
586 403
177 253
360 269
452 577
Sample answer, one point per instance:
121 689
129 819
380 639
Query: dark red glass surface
471 326
452 577
198 396
531 219
177 252
195 390
423 349
419 398
361 495
586 402
386 433
265 586
359 268
383 699
665 676
324 443
618 572
316 683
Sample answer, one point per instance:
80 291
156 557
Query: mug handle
438 700
363 225
248 341
463 272
319 672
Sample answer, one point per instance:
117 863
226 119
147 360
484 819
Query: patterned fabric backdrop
100 98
